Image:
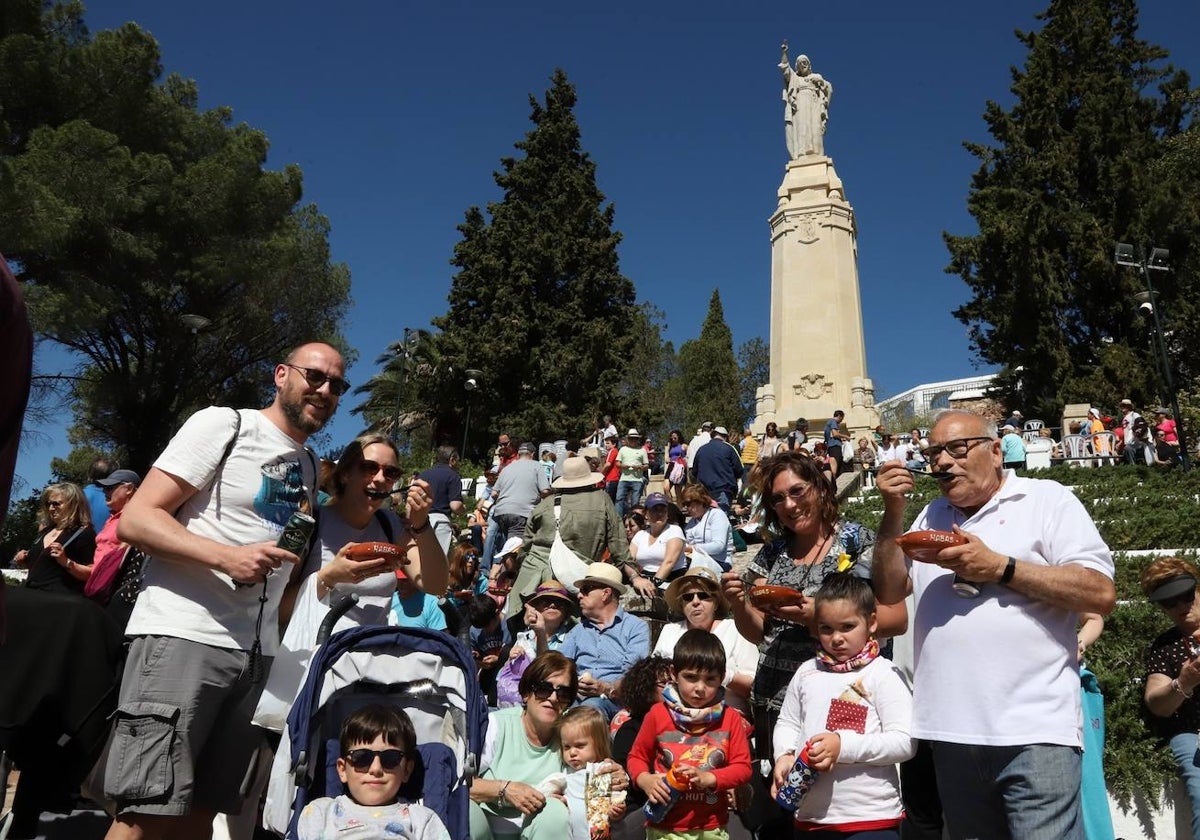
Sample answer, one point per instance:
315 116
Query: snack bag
597 798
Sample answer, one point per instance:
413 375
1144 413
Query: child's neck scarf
691 720
859 660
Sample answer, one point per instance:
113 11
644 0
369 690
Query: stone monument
818 357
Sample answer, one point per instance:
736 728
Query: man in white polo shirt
996 677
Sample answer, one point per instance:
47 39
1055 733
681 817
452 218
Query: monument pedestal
818 356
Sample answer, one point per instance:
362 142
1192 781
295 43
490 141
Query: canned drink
297 533
798 783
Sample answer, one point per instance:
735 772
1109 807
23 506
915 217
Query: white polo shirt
1002 669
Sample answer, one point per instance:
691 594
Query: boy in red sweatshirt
693 733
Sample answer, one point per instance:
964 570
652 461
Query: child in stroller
378 746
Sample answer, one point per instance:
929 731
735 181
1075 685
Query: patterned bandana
693 721
859 660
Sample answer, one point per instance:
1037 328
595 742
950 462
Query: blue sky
398 113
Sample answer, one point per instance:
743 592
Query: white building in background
923 400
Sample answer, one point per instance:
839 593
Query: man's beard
293 410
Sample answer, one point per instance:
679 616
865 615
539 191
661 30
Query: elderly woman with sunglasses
697 596
1173 668
805 542
520 751
60 559
357 512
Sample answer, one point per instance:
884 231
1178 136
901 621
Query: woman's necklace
811 560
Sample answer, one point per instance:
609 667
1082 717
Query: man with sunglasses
996 677
208 515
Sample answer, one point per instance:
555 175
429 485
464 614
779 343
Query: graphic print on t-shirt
706 751
280 492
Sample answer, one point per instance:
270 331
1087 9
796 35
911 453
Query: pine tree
538 303
708 383
1067 179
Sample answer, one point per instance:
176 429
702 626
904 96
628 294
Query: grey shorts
182 736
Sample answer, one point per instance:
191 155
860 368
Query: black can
297 533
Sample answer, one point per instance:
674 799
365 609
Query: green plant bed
1135 508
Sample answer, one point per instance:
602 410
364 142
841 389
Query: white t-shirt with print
260 486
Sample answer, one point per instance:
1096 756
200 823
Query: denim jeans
1183 747
629 493
1009 793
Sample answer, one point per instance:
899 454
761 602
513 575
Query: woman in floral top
805 542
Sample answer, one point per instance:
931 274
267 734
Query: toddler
854 712
692 733
592 805
377 748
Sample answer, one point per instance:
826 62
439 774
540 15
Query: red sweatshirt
724 750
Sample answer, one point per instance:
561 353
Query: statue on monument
806 98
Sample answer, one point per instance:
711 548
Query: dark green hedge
1135 508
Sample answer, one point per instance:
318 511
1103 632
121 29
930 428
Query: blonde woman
60 559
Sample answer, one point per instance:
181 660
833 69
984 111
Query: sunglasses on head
1175 600
543 689
688 597
372 467
362 759
316 379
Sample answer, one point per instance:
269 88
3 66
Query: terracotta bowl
371 550
767 596
925 545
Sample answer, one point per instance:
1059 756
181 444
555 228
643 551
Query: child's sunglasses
362 759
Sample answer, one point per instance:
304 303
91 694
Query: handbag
567 566
678 471
103 581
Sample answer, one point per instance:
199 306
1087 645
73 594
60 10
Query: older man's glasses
1176 600
797 493
316 379
954 448
543 689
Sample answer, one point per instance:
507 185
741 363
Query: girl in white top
853 710
659 548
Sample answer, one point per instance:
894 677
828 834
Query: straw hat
696 578
577 472
604 574
551 590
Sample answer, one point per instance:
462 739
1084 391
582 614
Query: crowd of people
611 630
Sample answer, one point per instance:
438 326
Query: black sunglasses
316 379
371 467
688 597
1176 600
542 690
362 759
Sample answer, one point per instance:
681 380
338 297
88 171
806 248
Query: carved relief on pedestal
807 230
812 386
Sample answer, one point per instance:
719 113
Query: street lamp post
1126 255
470 384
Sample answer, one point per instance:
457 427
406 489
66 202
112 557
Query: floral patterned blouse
786 645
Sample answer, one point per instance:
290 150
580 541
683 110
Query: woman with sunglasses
60 559
520 751
805 540
464 577
358 511
697 596
1173 668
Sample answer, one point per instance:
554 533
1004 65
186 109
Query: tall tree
708 373
538 303
1067 178
754 370
149 237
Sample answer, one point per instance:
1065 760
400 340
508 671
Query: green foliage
125 208
538 303
1069 176
708 374
1135 508
754 370
20 526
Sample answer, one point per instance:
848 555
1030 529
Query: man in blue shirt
607 641
94 493
446 485
833 440
718 468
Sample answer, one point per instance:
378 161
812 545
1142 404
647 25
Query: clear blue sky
398 113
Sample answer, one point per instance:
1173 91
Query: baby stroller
427 673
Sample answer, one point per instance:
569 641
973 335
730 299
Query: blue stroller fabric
429 674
